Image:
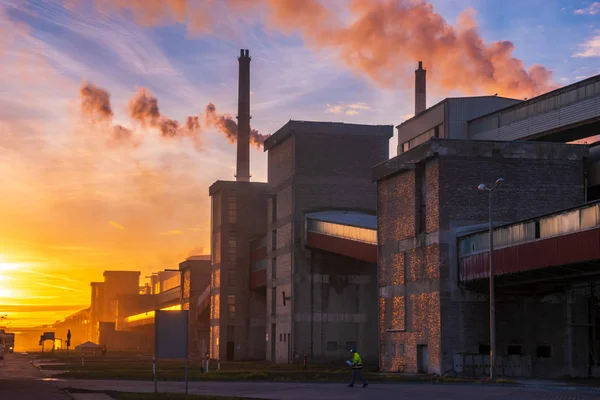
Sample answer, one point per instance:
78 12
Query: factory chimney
243 130
420 89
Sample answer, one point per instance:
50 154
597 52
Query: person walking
356 365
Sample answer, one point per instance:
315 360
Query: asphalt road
338 391
19 380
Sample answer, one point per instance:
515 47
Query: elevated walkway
348 233
540 254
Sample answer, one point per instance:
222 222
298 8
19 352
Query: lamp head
499 180
482 187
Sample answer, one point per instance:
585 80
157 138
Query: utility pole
492 286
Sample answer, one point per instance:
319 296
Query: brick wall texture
420 300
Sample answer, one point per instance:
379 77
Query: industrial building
343 247
296 301
330 238
432 236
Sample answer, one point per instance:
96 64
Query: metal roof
343 217
293 126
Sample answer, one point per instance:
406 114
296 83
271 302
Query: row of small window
529 110
422 138
338 230
550 226
284 337
333 346
231 306
232 209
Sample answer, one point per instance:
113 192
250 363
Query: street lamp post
492 291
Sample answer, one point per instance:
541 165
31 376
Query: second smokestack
243 129
420 89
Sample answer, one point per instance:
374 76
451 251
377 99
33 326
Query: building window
514 350
216 255
350 346
216 205
543 351
232 250
274 240
273 301
273 268
401 349
281 337
231 306
232 208
405 147
284 337
231 277
393 349
274 208
331 346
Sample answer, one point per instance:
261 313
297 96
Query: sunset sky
80 196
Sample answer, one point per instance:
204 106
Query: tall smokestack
243 129
420 89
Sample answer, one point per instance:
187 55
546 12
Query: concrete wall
313 170
422 207
235 236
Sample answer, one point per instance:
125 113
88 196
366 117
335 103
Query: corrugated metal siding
422 123
573 113
461 110
556 251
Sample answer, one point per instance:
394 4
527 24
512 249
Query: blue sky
75 203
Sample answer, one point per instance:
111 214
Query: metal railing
557 224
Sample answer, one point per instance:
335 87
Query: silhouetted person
356 365
103 350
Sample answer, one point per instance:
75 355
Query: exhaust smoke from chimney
243 128
420 89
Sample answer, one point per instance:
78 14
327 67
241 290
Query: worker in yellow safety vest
356 365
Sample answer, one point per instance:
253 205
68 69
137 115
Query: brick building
426 197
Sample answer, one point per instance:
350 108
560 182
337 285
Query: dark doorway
422 359
273 338
230 349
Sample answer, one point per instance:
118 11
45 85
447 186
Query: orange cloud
380 39
116 225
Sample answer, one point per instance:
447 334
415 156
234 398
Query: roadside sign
170 339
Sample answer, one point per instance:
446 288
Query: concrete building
428 196
447 119
195 289
104 297
319 304
238 217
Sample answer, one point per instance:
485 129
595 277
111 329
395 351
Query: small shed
88 348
